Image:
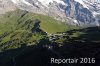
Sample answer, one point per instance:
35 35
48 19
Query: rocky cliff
80 12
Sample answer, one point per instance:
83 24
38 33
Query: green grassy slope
19 27
48 24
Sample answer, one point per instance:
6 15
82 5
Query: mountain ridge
81 12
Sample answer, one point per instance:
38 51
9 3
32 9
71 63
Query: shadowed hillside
40 54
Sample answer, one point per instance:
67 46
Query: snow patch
43 2
19 1
95 13
15 1
25 2
46 2
81 2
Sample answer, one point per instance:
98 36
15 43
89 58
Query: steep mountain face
84 11
55 8
81 12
